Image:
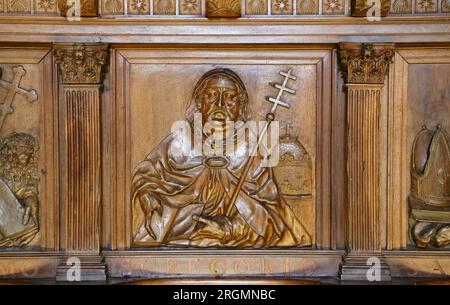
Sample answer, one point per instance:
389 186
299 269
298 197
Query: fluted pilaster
365 67
81 73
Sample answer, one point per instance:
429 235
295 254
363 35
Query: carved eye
211 95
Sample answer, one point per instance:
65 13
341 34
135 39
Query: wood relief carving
78 8
294 169
190 7
426 6
181 197
81 68
445 6
223 8
256 7
365 65
22 6
401 6
333 7
164 7
139 7
19 178
364 68
12 89
113 7
81 64
46 5
430 188
362 8
282 7
307 7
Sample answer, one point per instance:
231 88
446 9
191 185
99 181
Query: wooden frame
398 163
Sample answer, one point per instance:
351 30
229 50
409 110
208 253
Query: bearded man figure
183 198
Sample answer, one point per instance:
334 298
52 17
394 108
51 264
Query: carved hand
31 210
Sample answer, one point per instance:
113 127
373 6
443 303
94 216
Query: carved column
364 69
81 76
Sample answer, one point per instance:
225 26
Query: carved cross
13 88
282 88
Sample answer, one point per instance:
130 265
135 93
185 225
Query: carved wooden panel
29 149
419 94
147 115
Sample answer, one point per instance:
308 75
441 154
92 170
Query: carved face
220 100
22 155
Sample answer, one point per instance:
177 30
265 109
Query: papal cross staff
13 88
270 117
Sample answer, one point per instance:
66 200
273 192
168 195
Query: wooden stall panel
153 89
28 153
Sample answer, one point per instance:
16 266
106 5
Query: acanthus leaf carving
365 63
82 64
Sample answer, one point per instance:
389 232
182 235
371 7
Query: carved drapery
81 74
364 67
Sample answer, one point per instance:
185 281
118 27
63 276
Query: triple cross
269 118
13 88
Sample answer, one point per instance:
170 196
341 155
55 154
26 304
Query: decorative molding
365 8
365 63
81 64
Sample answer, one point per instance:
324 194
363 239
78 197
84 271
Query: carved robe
182 185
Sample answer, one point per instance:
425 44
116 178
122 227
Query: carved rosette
81 69
365 63
81 64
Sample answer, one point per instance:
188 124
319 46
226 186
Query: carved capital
365 63
82 64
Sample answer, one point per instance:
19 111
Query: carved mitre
223 8
430 176
294 169
81 64
365 63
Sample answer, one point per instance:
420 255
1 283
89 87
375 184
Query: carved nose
219 101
